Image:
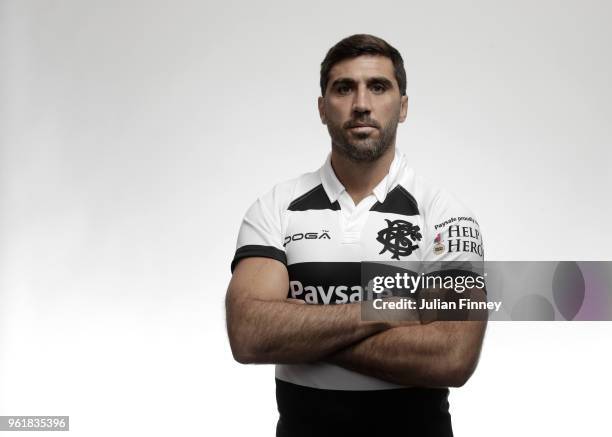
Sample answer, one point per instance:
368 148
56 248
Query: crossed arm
265 327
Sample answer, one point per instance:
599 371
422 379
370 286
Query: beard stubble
363 148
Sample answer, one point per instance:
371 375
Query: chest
334 236
325 249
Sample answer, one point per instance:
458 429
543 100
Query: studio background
135 134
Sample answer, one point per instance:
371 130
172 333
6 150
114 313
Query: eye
343 89
378 88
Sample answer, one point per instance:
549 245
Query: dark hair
358 45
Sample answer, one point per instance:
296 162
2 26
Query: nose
361 101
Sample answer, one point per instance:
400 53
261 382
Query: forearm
439 354
263 331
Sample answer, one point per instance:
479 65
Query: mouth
358 124
362 128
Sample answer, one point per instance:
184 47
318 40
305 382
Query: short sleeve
260 233
453 233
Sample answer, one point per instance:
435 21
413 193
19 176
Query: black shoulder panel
313 199
398 201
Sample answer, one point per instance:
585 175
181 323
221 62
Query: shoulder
451 230
435 201
283 194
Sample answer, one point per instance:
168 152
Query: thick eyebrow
381 80
351 82
342 81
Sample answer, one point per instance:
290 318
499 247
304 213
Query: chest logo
398 238
323 235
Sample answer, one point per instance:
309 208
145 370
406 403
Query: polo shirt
312 225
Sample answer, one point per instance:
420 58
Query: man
303 243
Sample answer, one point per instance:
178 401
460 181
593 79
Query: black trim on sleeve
251 250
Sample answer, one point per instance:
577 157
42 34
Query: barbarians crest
398 238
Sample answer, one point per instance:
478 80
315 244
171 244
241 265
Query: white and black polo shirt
311 225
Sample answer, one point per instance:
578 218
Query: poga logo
323 235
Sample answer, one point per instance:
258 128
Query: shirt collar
334 188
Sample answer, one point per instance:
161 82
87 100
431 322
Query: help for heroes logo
459 237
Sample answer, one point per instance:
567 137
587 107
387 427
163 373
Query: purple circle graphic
533 307
568 288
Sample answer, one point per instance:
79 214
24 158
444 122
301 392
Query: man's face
362 107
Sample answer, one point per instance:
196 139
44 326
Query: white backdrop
134 135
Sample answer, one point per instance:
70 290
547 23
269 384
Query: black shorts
306 411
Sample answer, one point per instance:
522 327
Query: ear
321 104
403 108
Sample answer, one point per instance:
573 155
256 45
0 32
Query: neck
360 178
